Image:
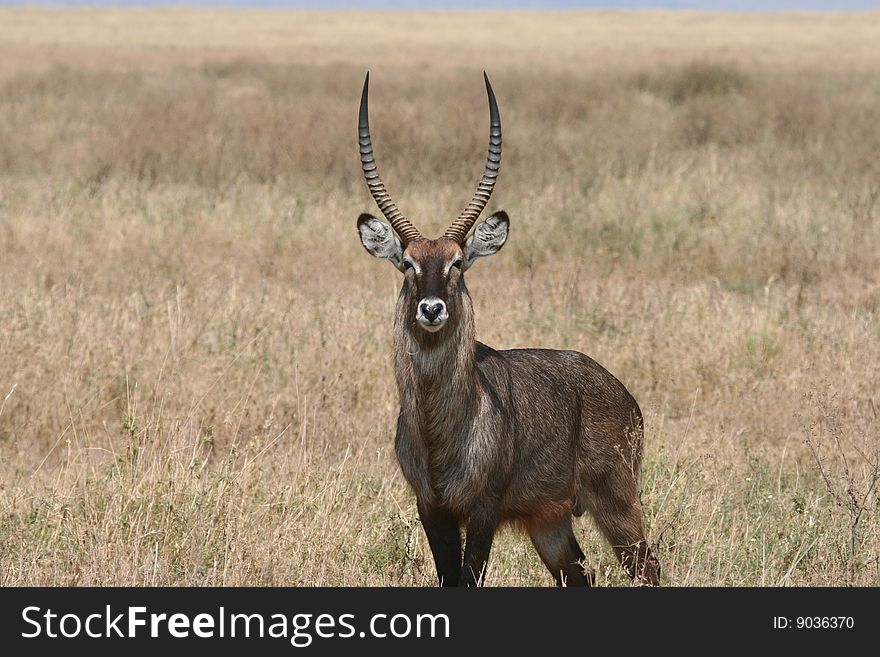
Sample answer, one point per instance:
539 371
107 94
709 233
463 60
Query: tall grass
195 381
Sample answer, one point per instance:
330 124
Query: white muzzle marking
431 314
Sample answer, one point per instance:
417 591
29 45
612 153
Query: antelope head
433 269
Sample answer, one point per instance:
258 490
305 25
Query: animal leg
560 552
618 514
480 533
444 537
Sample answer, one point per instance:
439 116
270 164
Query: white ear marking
380 240
488 238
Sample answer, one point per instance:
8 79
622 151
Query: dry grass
196 347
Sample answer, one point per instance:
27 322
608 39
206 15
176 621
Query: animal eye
457 264
407 265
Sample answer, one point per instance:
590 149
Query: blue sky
725 5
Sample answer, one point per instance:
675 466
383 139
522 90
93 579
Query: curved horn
461 226
399 223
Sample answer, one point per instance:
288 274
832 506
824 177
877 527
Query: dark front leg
480 532
444 537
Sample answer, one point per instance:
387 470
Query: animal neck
436 372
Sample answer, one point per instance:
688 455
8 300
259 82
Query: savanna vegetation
195 368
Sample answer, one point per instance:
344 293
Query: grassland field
195 360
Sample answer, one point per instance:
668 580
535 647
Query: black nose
431 310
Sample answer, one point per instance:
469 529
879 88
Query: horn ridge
401 225
461 226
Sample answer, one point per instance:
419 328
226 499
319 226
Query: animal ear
488 238
380 239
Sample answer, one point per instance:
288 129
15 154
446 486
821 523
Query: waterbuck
486 437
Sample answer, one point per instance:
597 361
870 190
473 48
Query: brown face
433 293
432 280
